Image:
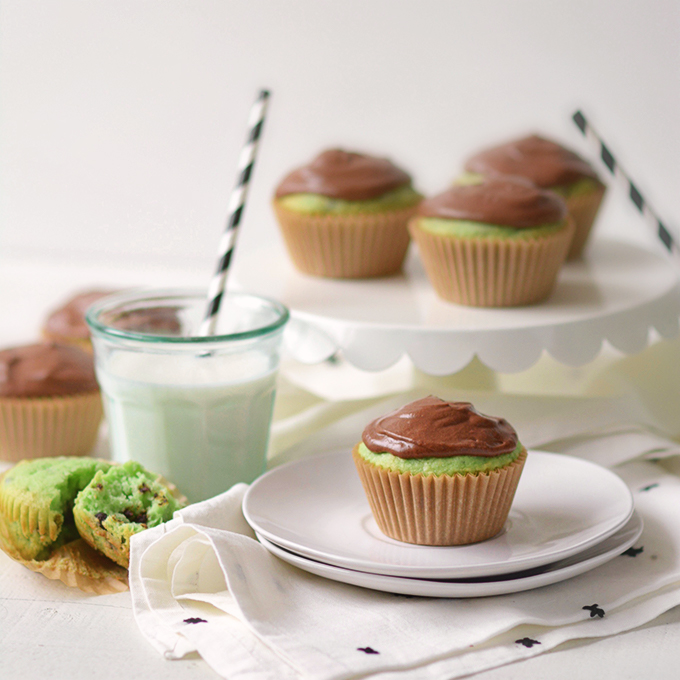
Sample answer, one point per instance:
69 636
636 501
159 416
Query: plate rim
401 585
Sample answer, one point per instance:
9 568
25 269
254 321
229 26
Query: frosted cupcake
50 403
439 473
66 324
498 242
549 166
344 215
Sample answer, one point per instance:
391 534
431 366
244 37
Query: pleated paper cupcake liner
75 564
481 272
49 426
29 519
583 210
440 510
349 246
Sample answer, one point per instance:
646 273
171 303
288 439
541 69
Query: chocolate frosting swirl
544 162
346 175
68 321
434 428
507 201
46 370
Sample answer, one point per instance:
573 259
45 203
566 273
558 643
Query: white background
120 127
122 120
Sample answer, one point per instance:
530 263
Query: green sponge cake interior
453 465
397 199
580 188
36 501
119 503
469 229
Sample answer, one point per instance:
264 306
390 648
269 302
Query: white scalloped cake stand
618 293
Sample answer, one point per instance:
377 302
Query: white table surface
57 632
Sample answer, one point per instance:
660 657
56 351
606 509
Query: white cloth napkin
203 583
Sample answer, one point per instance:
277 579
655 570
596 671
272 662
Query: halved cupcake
439 473
549 165
71 518
50 404
344 215
36 503
119 503
494 242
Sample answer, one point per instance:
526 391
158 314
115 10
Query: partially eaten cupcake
119 503
439 473
36 503
63 516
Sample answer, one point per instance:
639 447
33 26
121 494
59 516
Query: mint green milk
202 422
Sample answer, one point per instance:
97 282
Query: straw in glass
237 203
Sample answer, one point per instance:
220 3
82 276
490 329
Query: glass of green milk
195 409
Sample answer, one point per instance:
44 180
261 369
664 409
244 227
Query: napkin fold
203 583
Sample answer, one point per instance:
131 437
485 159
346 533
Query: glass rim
114 300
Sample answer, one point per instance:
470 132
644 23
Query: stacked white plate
568 517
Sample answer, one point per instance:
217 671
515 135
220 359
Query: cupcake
549 166
71 518
344 215
119 503
36 503
498 242
50 403
439 473
66 324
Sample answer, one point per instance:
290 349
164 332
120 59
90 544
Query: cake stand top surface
618 292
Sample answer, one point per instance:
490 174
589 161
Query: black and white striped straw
237 203
622 177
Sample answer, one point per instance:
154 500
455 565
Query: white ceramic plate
511 583
317 508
